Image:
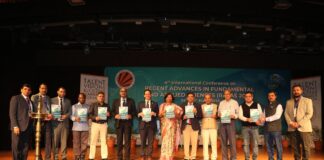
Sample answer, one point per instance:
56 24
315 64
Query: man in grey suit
46 123
298 114
61 125
21 123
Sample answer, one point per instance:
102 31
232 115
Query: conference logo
125 78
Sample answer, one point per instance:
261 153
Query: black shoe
104 159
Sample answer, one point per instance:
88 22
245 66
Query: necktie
147 104
189 120
61 104
124 102
29 107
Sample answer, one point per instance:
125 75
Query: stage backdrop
179 81
312 89
90 85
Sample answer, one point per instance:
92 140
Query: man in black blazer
61 125
46 123
123 126
147 128
21 123
190 126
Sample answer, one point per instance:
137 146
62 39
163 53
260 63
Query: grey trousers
80 141
227 132
61 133
301 138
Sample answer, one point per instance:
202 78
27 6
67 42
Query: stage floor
135 154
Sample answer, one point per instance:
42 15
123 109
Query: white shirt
229 105
241 116
149 103
277 115
122 100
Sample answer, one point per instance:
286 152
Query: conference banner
90 85
179 81
312 89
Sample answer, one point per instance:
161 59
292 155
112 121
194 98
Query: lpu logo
125 78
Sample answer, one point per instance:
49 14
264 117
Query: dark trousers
20 143
80 141
227 131
301 138
273 137
47 138
147 136
124 131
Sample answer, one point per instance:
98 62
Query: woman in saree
169 113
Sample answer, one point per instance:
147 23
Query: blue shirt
79 126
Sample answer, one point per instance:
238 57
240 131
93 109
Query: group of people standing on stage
188 119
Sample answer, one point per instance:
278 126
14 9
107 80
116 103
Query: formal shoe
104 159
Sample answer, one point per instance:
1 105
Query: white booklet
147 114
254 114
83 114
208 109
169 112
123 112
102 113
189 111
56 111
225 116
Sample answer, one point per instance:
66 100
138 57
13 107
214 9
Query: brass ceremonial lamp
38 116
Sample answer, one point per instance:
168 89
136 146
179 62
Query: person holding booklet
272 134
209 126
228 113
98 113
148 111
61 110
124 110
170 114
46 122
80 127
250 114
190 125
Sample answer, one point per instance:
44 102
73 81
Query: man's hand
232 116
129 116
249 120
141 114
63 117
219 115
77 119
194 110
108 114
262 119
16 131
97 118
214 116
153 114
258 122
185 117
117 116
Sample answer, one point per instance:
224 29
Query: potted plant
133 143
285 142
239 142
156 143
317 139
111 141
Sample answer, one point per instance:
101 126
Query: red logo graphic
125 78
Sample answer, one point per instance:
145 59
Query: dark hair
42 84
147 90
297 85
228 90
274 92
61 88
190 93
83 94
101 92
26 85
168 94
248 92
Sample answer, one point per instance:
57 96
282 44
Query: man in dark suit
61 125
147 127
123 124
21 123
46 123
190 126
